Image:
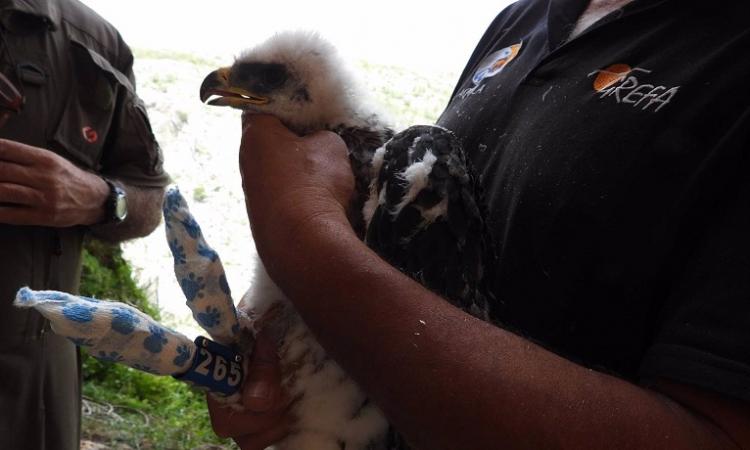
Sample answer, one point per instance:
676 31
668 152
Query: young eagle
419 206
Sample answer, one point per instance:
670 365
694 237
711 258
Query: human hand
39 187
266 419
290 180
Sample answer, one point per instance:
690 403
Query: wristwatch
117 203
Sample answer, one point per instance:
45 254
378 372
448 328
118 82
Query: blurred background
409 56
418 34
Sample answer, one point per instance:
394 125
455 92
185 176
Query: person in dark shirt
77 157
614 159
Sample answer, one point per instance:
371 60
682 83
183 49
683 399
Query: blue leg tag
215 367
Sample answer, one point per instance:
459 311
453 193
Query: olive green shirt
75 72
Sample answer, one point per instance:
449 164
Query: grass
143 53
199 194
135 410
147 412
410 97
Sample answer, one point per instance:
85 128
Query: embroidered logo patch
495 63
625 84
90 135
492 65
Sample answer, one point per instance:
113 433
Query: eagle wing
425 217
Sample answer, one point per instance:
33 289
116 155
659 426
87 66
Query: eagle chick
419 209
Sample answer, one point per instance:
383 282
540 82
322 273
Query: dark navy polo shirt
615 167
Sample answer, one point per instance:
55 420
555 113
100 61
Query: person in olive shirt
78 158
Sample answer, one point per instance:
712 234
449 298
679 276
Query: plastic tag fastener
215 367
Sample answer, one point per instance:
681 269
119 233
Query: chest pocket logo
491 66
625 84
496 62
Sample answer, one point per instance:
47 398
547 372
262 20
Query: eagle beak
216 91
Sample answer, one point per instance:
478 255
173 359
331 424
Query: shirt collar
562 16
46 10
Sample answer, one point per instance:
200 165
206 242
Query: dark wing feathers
439 237
362 143
436 235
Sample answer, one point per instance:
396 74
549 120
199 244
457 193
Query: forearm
144 214
448 380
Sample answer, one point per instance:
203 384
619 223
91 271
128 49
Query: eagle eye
273 76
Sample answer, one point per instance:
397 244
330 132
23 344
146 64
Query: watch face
121 205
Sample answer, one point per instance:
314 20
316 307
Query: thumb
261 131
262 387
257 120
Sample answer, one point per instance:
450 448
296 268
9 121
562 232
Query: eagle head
296 76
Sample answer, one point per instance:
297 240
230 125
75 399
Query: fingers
66 194
19 204
262 387
19 153
11 172
259 130
265 419
228 422
266 121
265 438
20 215
329 140
19 195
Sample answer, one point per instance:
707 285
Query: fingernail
260 391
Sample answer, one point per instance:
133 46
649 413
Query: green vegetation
106 275
410 97
199 194
182 117
163 82
142 53
123 407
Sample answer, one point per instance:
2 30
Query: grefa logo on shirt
621 83
491 66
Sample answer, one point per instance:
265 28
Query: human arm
39 187
444 379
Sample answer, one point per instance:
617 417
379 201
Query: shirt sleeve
131 152
703 337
